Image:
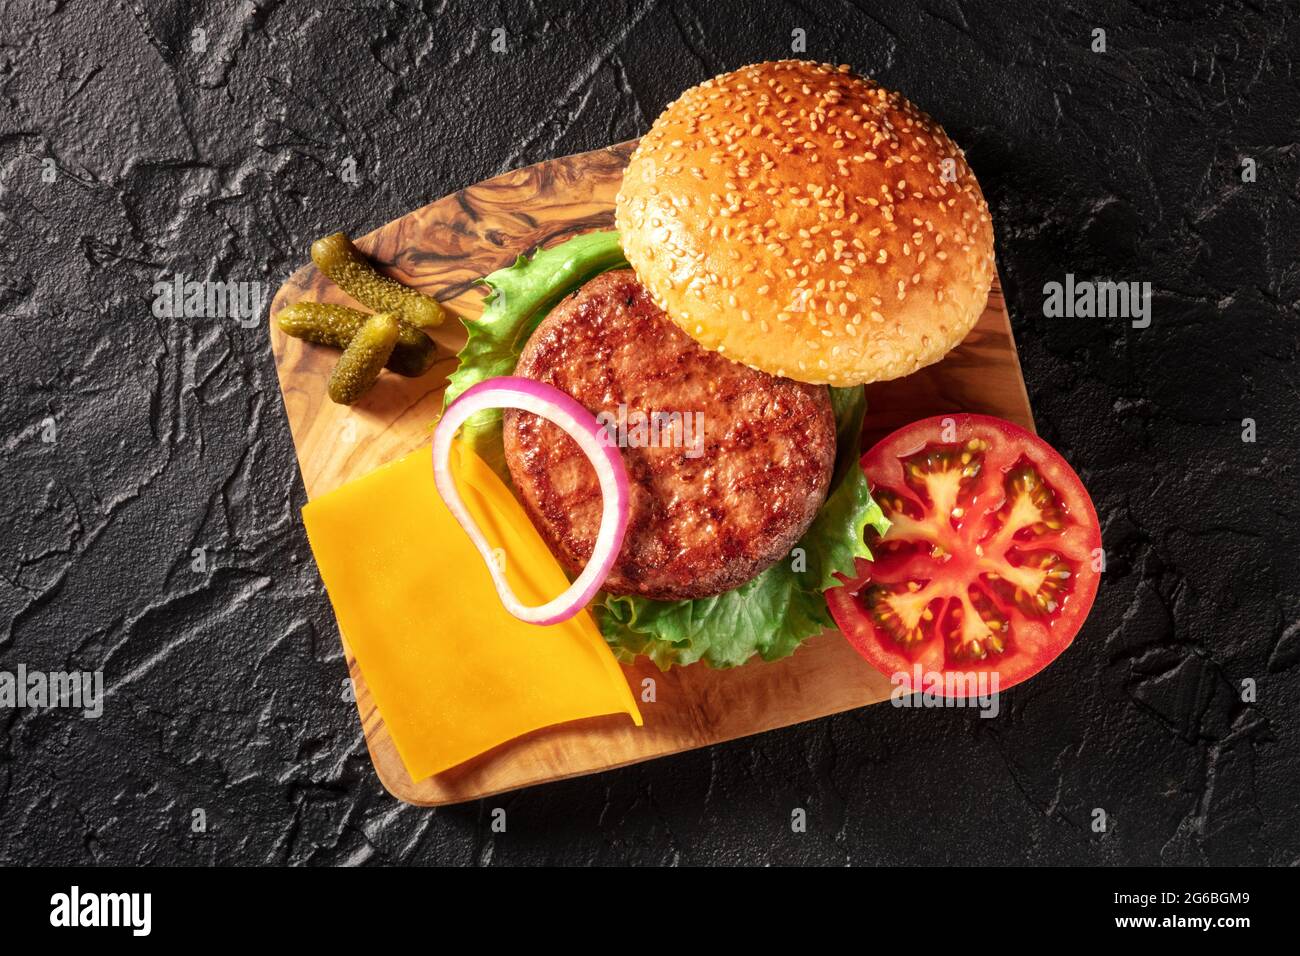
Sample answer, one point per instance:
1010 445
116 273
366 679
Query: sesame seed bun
809 223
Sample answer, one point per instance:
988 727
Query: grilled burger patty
710 507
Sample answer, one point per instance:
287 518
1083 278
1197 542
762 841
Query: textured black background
226 686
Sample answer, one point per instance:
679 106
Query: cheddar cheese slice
452 673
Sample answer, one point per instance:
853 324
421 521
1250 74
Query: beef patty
727 465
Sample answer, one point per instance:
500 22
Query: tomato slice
991 562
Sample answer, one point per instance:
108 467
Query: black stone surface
224 686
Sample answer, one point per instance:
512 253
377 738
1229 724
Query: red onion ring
509 391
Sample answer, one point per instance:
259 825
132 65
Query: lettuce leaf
770 615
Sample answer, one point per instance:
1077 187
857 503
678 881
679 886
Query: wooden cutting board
442 248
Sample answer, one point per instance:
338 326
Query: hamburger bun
808 223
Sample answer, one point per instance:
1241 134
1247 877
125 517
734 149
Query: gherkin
336 325
352 272
362 361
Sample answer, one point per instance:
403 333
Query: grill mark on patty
697 526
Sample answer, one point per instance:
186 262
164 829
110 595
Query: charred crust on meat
698 524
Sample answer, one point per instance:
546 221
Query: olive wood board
442 249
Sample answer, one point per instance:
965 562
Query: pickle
335 325
352 272
362 361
